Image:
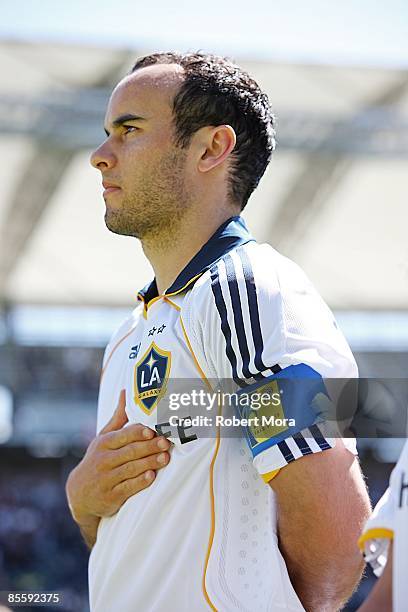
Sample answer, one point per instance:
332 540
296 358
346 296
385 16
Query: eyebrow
119 121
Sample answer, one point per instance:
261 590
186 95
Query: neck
170 253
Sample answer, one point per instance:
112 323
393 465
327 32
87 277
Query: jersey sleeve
259 323
378 532
380 528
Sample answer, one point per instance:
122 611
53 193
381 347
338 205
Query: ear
218 142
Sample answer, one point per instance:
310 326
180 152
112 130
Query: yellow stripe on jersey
184 287
166 299
164 295
112 351
212 530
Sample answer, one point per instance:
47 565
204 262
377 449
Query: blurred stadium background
334 199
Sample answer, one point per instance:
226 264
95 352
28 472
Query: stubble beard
154 211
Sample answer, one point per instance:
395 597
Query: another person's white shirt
389 521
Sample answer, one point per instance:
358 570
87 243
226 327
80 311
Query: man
188 139
385 543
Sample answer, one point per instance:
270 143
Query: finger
133 433
132 469
130 487
119 417
138 450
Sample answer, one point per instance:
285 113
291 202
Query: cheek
134 165
142 156
145 155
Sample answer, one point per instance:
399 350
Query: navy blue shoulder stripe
237 313
253 309
254 313
225 328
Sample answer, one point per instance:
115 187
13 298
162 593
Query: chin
112 222
119 225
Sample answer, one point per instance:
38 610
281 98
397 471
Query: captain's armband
281 407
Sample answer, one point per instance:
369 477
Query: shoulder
234 312
256 279
255 267
256 296
240 275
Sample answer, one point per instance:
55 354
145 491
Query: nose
103 158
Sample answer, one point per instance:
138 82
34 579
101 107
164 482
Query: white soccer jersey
203 535
389 521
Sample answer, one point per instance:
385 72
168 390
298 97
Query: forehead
148 92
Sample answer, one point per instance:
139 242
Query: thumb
119 417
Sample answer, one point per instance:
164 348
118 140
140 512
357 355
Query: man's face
143 172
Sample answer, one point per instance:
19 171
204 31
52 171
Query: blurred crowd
69 371
40 547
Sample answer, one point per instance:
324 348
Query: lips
110 187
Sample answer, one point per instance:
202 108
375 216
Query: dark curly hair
215 91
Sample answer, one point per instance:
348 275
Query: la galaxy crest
150 377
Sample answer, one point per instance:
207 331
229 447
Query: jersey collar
228 236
